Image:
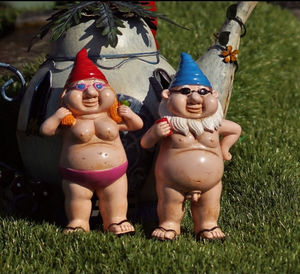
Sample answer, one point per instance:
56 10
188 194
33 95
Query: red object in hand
164 119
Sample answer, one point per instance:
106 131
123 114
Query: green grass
260 201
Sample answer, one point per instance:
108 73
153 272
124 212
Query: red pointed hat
84 68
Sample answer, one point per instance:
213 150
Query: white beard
195 126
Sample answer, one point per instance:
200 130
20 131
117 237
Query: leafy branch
108 15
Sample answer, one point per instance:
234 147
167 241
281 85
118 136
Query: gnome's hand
131 120
226 155
125 112
162 127
62 112
65 116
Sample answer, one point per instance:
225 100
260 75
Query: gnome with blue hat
190 162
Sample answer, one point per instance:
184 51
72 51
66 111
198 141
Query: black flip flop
166 230
120 234
200 237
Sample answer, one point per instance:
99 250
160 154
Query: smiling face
88 96
191 101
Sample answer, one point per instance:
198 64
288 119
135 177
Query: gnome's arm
49 126
131 121
154 134
231 132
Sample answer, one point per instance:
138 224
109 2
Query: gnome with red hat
190 160
93 159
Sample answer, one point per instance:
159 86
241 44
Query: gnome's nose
195 98
91 92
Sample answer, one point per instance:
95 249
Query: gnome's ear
215 93
165 94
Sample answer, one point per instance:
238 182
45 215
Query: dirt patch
14 45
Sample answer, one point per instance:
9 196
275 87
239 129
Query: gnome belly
87 151
187 167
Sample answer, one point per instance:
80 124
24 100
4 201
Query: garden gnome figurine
93 159
190 162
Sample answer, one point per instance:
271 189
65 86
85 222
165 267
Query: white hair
195 126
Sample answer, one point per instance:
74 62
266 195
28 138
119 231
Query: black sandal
120 234
200 237
166 230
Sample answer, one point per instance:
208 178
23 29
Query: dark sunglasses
186 91
82 87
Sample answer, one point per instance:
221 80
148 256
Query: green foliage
260 200
8 18
107 14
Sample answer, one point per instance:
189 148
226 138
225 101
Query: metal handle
10 81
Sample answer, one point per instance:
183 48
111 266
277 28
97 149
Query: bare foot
163 234
214 233
121 228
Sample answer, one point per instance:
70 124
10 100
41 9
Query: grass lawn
260 201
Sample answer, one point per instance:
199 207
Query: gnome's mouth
194 109
90 102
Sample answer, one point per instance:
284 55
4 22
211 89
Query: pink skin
93 143
183 157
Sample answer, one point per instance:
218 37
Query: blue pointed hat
189 73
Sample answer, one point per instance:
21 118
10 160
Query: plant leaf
108 15
112 39
107 21
143 12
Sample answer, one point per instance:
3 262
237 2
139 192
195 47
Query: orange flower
229 55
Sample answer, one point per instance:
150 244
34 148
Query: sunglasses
82 87
187 91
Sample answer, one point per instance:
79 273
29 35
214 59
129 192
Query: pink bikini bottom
93 178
